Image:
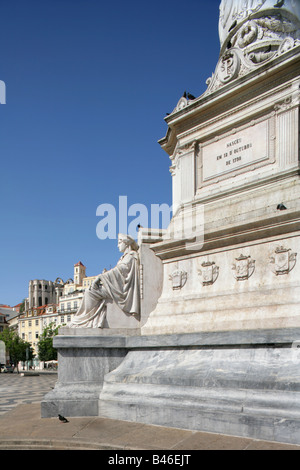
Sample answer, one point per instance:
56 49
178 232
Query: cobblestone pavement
16 389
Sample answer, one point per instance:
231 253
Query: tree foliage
19 350
46 351
22 306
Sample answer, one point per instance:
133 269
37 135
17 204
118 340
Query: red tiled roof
79 264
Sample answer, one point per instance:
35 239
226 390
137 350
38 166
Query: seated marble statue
120 284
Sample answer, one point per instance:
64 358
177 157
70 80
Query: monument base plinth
242 383
85 355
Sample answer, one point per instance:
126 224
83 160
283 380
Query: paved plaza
16 389
21 427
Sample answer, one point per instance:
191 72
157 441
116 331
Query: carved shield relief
243 268
283 261
209 273
178 279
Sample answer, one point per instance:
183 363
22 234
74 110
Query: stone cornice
238 93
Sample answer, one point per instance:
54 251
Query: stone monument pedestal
243 383
85 356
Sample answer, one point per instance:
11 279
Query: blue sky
88 84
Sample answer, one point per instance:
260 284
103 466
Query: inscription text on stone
236 151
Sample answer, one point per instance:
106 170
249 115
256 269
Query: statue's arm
123 266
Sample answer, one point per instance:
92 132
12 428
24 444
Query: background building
73 291
43 292
51 302
9 316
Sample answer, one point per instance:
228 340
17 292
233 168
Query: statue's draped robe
120 284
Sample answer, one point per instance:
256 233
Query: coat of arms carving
178 279
209 273
283 261
243 268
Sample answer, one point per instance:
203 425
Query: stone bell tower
79 273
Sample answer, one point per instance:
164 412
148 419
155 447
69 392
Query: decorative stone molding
209 273
288 103
243 268
182 103
254 43
283 261
178 279
178 153
141 281
229 66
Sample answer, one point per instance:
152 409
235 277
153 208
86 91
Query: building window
62 307
69 306
68 318
36 336
75 304
29 322
62 319
36 323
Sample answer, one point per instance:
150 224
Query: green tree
19 350
22 306
46 351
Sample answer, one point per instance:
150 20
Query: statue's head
125 241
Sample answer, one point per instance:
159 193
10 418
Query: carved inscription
238 150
